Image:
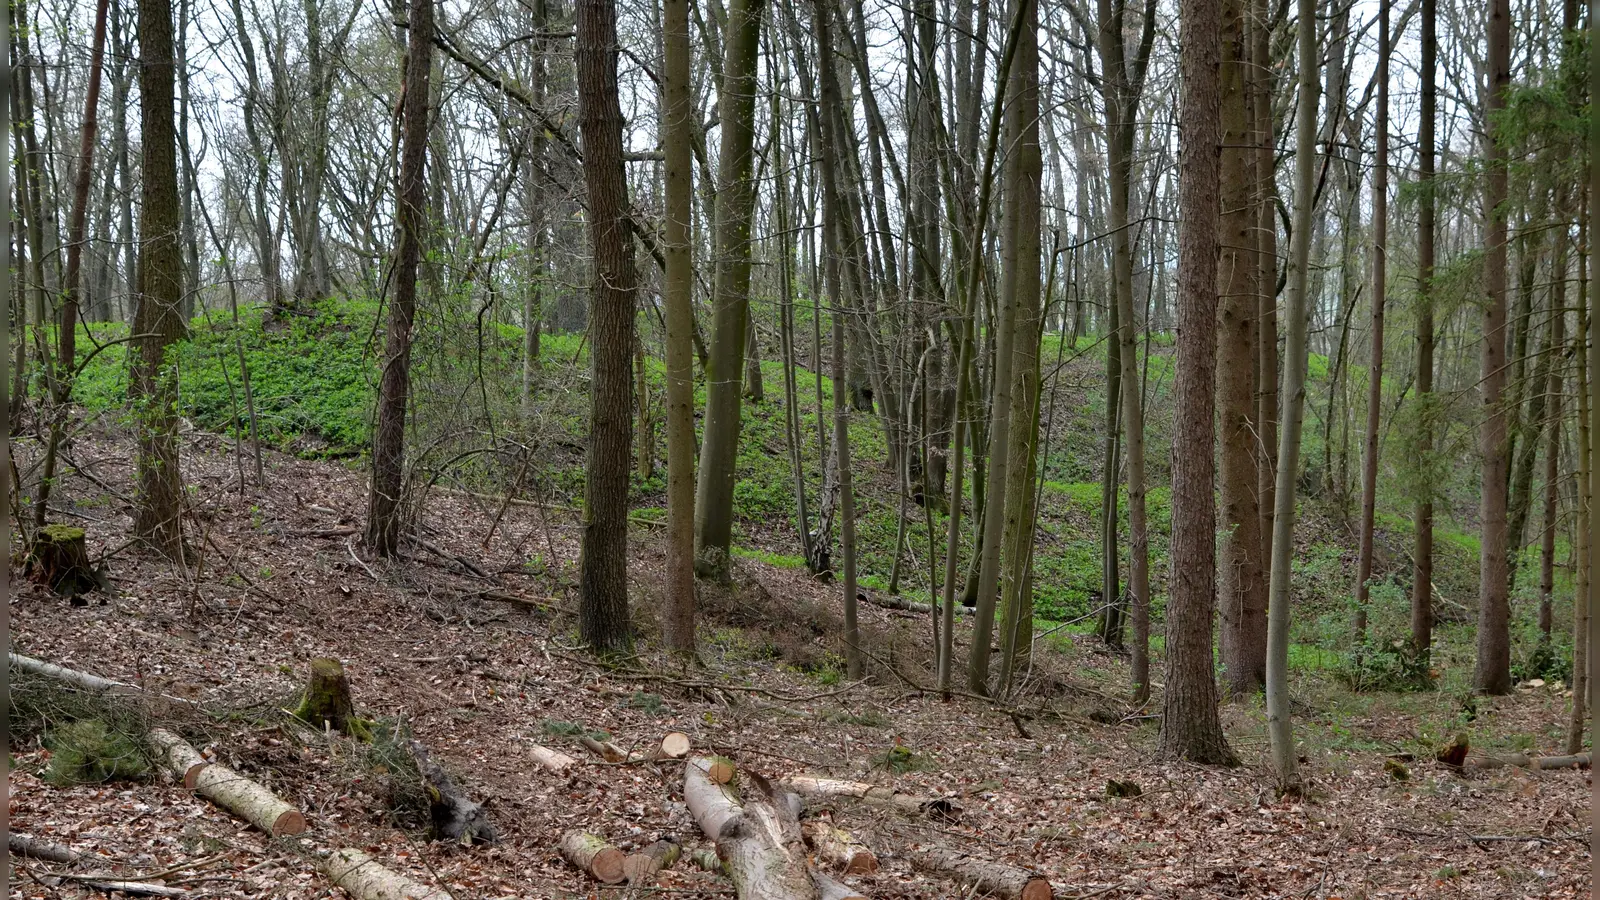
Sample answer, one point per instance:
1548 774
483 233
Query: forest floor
479 680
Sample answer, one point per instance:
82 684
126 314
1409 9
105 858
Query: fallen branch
225 787
135 888
871 794
606 750
88 682
364 878
894 601
757 838
983 876
1524 761
829 889
592 854
39 848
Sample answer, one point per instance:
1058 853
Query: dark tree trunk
384 512
160 288
603 567
1190 728
1422 552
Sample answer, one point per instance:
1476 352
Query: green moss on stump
59 558
327 701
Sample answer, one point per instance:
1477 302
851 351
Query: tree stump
327 700
60 558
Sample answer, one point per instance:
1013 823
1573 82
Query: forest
801 449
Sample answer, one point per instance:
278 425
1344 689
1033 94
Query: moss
327 700
61 534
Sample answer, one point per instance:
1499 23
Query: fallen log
606 750
552 760
133 888
871 794
592 854
363 878
177 756
757 837
39 848
891 601
87 682
639 868
1524 761
838 848
706 859
225 787
455 816
829 889
673 745
983 876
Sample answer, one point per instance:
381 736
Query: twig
350 545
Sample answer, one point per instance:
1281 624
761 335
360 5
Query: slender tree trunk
1241 589
154 385
1583 599
1552 470
1024 184
1190 728
731 287
1285 763
678 297
384 512
603 619
1267 282
1422 528
1492 674
1380 254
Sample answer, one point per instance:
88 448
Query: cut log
829 889
175 754
59 558
327 702
227 788
674 745
606 750
1524 761
706 859
891 601
39 848
641 867
552 760
758 838
721 770
871 794
87 682
983 876
455 816
363 878
839 849
592 854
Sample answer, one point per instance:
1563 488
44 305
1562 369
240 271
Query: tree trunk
1380 254
364 879
1583 599
1492 674
1190 728
1279 725
1024 183
1267 283
757 836
731 291
384 510
602 862
678 298
1422 528
154 384
1552 468
982 877
1241 589
603 564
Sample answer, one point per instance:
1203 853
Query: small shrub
89 752
1386 666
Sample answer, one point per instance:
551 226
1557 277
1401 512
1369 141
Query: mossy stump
327 701
60 558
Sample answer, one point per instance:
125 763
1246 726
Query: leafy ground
479 680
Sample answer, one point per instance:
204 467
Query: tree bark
731 290
364 878
154 385
1492 675
1241 589
384 509
602 862
1422 528
983 877
677 296
225 787
1380 255
1267 283
757 836
1190 728
1279 724
603 565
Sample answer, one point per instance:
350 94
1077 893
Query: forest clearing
801 449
